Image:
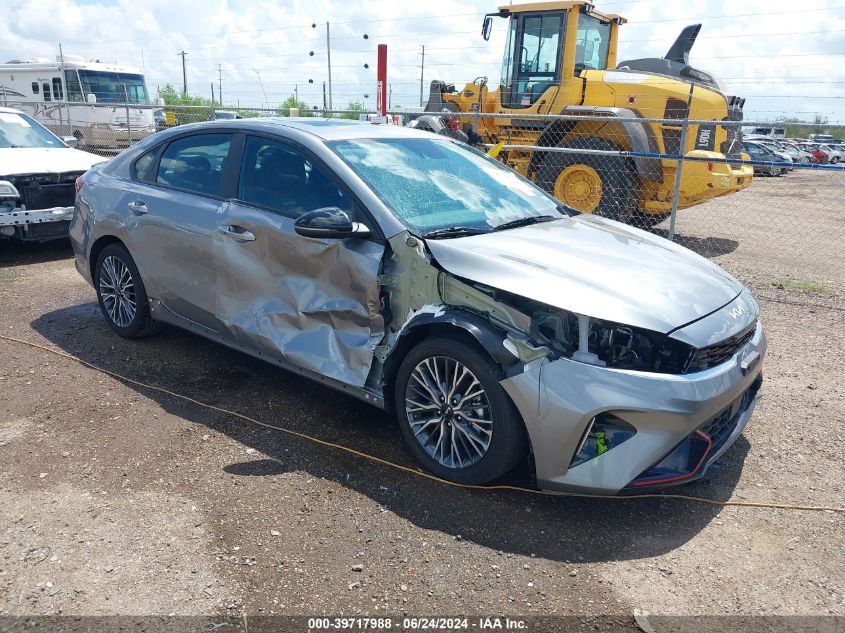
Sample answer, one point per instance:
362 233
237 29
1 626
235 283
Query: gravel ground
117 499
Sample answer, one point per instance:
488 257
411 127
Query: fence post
678 174
128 124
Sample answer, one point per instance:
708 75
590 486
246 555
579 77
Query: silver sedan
425 278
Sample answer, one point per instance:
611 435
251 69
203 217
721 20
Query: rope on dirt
412 471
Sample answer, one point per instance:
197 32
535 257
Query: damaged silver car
421 276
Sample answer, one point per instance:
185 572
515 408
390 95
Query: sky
786 58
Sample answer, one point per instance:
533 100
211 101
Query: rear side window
195 163
143 165
46 87
35 88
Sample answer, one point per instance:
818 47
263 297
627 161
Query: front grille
713 355
720 426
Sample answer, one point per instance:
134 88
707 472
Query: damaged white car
37 175
427 279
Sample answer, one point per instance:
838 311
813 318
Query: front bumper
559 399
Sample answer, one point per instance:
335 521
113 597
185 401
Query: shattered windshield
19 130
434 184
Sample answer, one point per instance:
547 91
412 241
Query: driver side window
280 178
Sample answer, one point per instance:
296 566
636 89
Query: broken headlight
625 347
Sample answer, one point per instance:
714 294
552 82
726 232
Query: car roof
10 110
324 129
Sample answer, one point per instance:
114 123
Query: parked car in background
224 115
774 161
37 175
819 157
834 154
410 271
795 152
784 155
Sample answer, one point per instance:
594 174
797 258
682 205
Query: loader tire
591 183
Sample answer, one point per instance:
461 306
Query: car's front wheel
121 293
454 415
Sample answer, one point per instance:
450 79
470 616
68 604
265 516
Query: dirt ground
116 499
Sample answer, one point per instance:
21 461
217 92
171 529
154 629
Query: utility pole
325 114
212 92
184 73
296 93
261 83
329 60
64 81
220 83
422 73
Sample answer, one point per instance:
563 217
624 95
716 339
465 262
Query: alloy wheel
117 290
448 412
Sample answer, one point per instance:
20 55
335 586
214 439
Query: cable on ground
413 471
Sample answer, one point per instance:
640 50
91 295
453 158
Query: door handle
138 207
237 233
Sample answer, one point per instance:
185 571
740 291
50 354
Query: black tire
507 443
619 183
141 323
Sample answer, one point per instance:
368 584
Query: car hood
18 161
592 266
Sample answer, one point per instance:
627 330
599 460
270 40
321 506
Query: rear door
174 208
311 302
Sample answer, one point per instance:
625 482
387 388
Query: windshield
111 87
433 184
19 130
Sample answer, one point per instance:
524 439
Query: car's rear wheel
121 293
454 415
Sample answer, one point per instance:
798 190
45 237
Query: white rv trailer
100 104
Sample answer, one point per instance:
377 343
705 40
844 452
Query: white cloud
785 60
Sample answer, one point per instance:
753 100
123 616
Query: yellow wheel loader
560 58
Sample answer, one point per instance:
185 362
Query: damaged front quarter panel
420 295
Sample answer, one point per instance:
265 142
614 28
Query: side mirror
329 222
486 27
91 98
70 141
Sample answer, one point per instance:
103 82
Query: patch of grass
796 284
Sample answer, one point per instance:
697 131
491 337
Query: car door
311 302
173 211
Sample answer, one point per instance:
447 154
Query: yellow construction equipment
561 58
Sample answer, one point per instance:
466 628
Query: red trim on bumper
673 478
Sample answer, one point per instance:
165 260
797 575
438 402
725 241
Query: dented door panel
312 302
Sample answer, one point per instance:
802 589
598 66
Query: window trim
359 209
165 144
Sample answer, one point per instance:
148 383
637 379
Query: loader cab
548 45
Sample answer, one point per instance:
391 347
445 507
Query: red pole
381 92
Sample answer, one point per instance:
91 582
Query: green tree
187 109
354 109
171 96
291 102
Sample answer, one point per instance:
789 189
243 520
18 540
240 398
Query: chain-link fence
778 199
770 210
